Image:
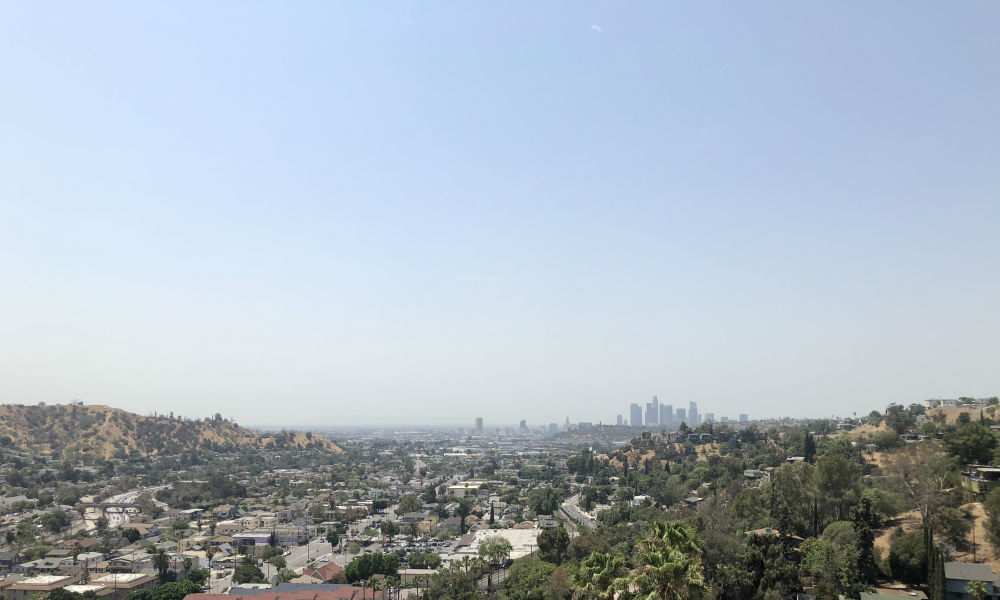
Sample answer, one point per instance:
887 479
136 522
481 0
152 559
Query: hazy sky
329 212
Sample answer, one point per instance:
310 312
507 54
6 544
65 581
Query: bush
887 440
908 558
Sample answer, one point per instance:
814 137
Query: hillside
64 429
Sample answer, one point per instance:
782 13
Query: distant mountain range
67 429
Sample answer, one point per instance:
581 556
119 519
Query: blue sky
336 213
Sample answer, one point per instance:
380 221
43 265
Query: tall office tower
524 426
681 417
566 427
710 417
725 419
619 419
553 428
651 416
656 410
635 415
744 417
666 415
693 414
479 424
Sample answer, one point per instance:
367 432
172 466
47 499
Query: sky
343 213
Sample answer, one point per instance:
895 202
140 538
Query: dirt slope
64 429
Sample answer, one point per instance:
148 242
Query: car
206 587
286 553
325 559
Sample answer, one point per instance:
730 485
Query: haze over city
413 213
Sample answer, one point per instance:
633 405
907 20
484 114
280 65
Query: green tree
908 558
198 576
412 530
831 564
809 447
495 549
409 503
971 443
766 567
55 521
462 510
992 506
366 565
977 589
922 475
544 501
389 529
864 522
174 590
598 574
248 571
552 544
887 439
285 575
423 560
161 562
952 525
527 578
837 479
457 582
131 534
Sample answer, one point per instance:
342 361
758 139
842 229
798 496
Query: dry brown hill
64 429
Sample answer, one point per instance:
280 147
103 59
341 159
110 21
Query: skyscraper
635 415
744 417
524 426
652 412
681 417
693 414
666 415
710 417
656 411
479 424
619 419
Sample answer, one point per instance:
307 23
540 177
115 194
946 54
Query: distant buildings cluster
666 416
655 414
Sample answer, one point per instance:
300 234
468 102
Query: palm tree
669 574
161 562
412 530
976 589
675 534
599 574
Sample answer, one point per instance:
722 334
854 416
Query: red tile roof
327 572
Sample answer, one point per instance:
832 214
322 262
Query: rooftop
83 588
121 578
44 580
968 571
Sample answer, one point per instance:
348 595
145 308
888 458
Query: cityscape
341 300
654 415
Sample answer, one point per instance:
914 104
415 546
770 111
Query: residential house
122 584
328 573
8 560
40 584
958 575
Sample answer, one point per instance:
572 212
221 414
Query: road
572 509
117 516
